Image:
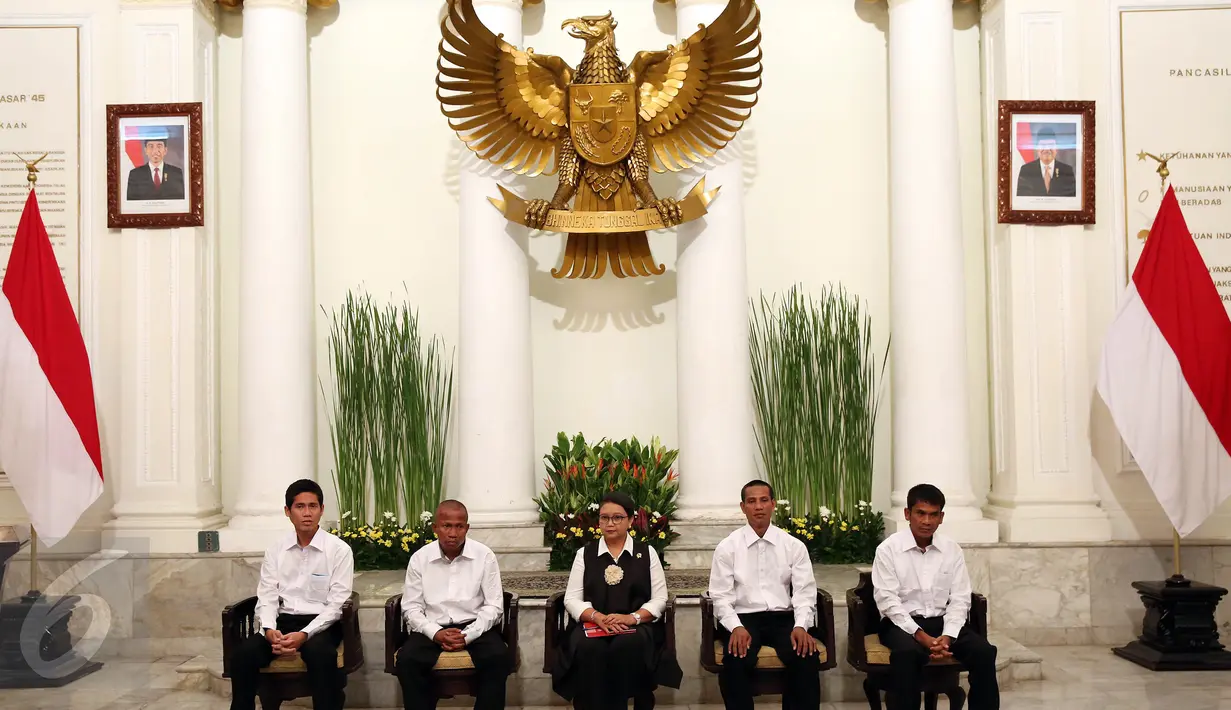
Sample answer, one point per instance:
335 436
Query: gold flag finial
31 171
1163 171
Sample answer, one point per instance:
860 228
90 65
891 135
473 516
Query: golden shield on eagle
602 127
603 121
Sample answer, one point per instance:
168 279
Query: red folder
593 630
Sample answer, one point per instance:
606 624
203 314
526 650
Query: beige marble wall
1038 595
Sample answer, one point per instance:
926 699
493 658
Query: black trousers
611 669
491 661
773 629
907 657
319 654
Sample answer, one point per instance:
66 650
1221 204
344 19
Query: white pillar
931 429
277 369
713 372
1043 484
165 487
495 408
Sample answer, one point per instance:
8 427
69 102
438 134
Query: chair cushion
294 664
448 660
878 653
767 657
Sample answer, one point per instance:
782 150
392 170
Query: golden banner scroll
695 204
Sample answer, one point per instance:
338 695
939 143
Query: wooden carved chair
866 653
454 671
557 621
770 678
286 678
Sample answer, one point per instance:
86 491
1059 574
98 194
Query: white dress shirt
466 590
574 593
911 581
315 579
753 574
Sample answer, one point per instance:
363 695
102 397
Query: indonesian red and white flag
1165 373
49 444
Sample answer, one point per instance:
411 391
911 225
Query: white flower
864 504
346 515
562 516
388 515
594 506
425 516
783 504
571 516
656 514
613 574
824 512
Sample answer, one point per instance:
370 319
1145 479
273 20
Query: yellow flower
405 540
560 536
816 527
844 527
809 536
388 543
855 528
414 537
405 548
662 534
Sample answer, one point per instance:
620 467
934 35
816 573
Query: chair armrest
978 613
856 651
669 622
824 625
708 661
552 628
512 604
352 639
395 631
238 623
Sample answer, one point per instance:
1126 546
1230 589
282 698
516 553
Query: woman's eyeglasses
612 519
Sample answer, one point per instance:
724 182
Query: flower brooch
613 574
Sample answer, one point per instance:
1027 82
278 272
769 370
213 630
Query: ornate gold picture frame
155 170
1045 162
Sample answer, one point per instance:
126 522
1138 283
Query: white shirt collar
628 547
318 540
771 535
467 551
906 541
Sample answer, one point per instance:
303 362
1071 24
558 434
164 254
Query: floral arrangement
386 544
580 474
835 538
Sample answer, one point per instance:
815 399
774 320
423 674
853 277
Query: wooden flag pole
33 592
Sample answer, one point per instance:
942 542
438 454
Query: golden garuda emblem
601 127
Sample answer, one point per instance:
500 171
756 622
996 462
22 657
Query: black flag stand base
1179 632
39 622
36 650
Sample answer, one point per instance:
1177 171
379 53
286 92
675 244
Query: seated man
306 577
452 600
764 593
922 591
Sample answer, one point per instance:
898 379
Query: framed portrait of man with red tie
154 166
1045 162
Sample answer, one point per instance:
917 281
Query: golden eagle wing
693 98
503 102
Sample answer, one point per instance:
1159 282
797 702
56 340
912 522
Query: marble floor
1076 678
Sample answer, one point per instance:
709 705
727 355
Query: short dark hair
621 499
1046 134
743 492
455 504
304 485
925 493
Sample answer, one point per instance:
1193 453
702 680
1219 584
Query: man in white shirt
452 600
764 593
306 577
922 590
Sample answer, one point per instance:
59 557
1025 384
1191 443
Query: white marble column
713 372
277 368
495 405
931 427
165 486
1043 485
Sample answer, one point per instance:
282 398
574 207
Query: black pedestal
1179 632
56 664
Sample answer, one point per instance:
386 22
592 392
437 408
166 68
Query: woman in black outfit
618 585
